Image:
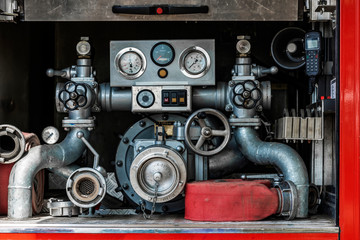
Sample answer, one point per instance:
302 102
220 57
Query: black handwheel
73 95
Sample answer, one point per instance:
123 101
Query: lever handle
160 9
65 73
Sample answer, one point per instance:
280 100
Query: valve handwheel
73 95
246 94
207 133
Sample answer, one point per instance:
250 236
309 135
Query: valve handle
73 95
247 93
207 133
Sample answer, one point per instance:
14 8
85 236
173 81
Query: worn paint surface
219 10
349 172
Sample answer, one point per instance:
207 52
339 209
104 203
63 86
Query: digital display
312 43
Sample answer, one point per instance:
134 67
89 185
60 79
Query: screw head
142 123
179 148
119 163
228 108
126 140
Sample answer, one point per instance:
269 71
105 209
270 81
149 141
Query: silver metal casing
175 71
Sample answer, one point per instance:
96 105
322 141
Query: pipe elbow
40 157
280 155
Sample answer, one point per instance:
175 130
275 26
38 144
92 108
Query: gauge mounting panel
137 63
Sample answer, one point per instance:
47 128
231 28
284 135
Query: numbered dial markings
145 98
50 135
195 62
130 62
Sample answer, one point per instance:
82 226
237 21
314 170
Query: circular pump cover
86 187
161 165
12 144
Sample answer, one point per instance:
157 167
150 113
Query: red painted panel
268 236
349 175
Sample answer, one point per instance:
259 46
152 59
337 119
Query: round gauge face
162 54
130 63
243 46
195 62
50 135
145 98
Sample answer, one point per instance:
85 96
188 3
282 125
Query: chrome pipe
40 157
281 156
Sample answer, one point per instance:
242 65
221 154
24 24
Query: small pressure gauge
243 46
50 135
145 98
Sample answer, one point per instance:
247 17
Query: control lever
160 9
64 73
260 71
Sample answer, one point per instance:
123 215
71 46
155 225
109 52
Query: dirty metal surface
219 10
163 224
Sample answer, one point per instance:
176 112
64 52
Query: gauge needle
158 58
193 63
49 136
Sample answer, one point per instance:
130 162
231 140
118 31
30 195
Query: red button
159 11
166 100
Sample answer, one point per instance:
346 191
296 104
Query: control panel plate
176 74
165 99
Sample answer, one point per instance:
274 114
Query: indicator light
162 73
159 10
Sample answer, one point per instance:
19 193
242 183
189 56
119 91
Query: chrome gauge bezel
182 64
128 50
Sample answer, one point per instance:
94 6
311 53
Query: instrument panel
164 62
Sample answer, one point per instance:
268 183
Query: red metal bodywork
349 162
349 169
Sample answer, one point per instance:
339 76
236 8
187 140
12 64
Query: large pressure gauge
130 62
194 62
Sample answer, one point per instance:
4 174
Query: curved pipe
40 157
65 171
229 160
280 155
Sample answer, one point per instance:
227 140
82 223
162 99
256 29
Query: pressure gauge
162 54
194 62
130 62
50 135
243 46
145 98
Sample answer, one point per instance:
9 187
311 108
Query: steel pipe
40 157
281 156
65 171
114 99
229 160
119 99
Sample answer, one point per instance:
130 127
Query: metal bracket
245 122
79 123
